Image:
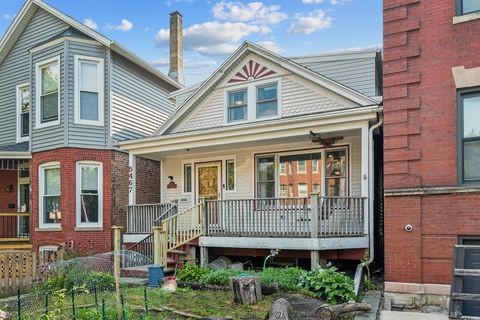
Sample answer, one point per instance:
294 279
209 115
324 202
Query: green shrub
329 284
68 278
220 277
286 278
102 280
192 273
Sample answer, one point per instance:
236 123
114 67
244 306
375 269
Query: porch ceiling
261 142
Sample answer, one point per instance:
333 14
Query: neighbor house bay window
469 131
267 103
237 106
48 88
89 90
89 194
49 195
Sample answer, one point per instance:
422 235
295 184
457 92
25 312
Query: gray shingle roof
17 147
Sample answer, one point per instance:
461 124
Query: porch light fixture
9 188
170 177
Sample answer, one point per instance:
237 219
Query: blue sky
214 28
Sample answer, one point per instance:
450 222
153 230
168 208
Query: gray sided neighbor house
64 85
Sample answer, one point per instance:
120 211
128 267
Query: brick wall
120 187
99 240
148 181
421 45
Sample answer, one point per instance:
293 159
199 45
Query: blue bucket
155 275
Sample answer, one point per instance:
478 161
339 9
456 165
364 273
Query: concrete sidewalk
399 315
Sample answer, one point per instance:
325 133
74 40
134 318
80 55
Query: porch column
365 175
132 179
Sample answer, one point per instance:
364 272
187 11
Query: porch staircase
178 238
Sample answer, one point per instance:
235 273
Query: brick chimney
176 47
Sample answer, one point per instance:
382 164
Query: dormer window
267 103
237 106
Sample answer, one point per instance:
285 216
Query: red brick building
431 141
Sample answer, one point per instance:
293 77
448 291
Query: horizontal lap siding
15 68
86 136
358 74
54 136
139 106
172 166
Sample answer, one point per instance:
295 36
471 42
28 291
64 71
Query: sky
213 29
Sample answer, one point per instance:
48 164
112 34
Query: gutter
359 271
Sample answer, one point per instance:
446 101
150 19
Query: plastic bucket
155 275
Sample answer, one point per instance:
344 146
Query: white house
269 153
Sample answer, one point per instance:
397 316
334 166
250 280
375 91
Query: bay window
49 195
48 92
469 137
23 112
89 90
89 194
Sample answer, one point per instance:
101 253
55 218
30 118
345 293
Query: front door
208 181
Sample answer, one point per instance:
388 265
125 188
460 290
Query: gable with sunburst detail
251 71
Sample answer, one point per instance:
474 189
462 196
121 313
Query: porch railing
286 217
141 218
14 227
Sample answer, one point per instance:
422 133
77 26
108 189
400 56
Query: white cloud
124 25
314 21
340 2
271 45
254 12
213 38
90 23
314 1
192 65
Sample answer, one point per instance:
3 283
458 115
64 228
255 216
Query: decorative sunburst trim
252 70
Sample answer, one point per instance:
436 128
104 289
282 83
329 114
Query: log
279 310
334 312
246 289
267 288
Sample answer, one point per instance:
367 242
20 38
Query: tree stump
334 312
246 289
279 310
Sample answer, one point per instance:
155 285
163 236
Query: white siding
173 166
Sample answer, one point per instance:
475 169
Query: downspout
358 272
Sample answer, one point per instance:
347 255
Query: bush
65 278
192 273
101 280
329 284
286 278
220 277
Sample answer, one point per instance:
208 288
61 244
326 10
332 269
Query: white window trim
298 167
38 89
184 164
79 223
41 193
45 248
315 170
298 189
234 175
101 89
251 87
19 112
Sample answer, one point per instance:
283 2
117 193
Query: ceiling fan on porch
326 142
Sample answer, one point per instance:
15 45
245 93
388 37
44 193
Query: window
301 166
336 173
89 194
290 190
267 104
316 188
315 166
49 197
237 106
467 6
23 112
47 253
230 175
187 178
284 191
89 90
48 88
469 137
266 177
283 168
302 190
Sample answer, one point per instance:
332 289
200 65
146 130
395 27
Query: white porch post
365 175
132 179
